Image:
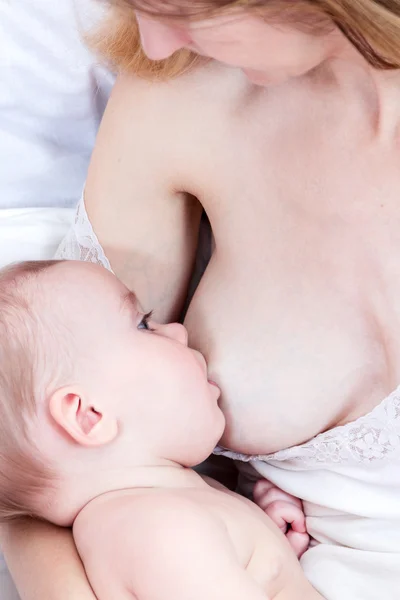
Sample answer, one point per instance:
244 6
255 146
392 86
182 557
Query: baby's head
91 392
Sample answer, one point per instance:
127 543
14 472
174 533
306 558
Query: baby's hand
286 511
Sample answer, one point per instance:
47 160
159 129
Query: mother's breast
293 355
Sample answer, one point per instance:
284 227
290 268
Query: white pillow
52 96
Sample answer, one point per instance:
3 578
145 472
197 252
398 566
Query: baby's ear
81 420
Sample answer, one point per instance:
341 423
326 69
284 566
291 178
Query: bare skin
198 537
296 313
34 551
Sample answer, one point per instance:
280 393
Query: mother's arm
44 562
147 227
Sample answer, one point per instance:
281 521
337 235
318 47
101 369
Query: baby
102 415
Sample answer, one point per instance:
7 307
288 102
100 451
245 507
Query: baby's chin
220 425
213 437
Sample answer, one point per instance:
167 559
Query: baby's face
142 373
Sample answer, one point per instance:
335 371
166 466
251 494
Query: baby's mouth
211 382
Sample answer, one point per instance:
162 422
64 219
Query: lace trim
81 242
372 438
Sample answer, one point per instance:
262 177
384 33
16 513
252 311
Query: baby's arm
193 558
286 511
44 562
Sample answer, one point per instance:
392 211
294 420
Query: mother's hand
44 562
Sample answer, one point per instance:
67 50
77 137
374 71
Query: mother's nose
160 40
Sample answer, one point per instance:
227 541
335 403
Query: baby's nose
177 332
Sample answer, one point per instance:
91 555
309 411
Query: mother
289 139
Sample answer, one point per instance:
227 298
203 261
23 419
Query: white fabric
52 96
81 242
349 478
32 233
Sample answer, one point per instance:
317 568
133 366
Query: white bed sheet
32 233
29 234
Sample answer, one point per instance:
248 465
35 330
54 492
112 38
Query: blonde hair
23 475
117 41
372 26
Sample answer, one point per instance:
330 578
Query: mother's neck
376 92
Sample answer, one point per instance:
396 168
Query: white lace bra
368 440
81 242
371 439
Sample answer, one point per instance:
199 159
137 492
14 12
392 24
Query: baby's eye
144 323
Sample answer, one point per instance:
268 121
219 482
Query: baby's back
129 540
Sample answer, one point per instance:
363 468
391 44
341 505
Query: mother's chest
319 287
299 365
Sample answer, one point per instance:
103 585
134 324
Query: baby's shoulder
159 512
147 524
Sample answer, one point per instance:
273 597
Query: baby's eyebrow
129 300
